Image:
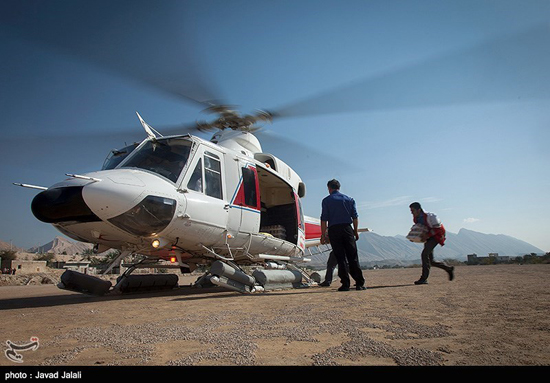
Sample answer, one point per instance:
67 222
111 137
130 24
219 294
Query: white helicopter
189 201
177 198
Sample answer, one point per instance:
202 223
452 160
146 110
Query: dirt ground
488 316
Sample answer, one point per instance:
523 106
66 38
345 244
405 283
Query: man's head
333 185
416 209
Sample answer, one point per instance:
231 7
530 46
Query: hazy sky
441 102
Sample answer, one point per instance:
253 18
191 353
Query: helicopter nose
123 200
62 204
113 195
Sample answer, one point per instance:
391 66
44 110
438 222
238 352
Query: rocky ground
488 316
47 278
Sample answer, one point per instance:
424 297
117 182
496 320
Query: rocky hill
61 245
9 246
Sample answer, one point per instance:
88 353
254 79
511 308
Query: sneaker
360 288
421 282
324 284
451 272
343 288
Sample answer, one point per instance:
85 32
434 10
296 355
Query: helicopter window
212 177
195 183
212 155
166 157
250 185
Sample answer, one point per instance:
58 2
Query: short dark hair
415 205
333 184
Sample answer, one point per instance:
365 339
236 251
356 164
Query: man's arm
324 221
355 218
323 232
356 228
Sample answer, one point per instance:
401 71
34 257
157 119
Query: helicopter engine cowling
241 142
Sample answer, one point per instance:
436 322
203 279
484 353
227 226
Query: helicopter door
245 203
301 223
205 201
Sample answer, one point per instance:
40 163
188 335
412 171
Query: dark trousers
343 244
428 258
331 265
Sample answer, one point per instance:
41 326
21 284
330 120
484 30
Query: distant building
26 267
80 266
491 259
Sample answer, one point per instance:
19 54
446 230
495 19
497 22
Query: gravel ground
488 316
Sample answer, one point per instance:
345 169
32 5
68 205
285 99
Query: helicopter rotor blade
115 35
509 68
62 141
311 161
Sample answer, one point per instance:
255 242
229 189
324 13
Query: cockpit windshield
115 157
166 157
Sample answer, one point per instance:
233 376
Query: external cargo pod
278 279
319 276
223 270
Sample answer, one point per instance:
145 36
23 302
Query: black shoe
324 284
343 288
421 282
451 272
360 288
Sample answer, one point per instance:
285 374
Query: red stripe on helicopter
313 231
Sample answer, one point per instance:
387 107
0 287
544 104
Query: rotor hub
231 119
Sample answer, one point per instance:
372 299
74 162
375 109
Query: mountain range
399 250
59 245
373 248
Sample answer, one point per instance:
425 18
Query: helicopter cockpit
166 157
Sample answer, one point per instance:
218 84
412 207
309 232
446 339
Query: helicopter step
83 283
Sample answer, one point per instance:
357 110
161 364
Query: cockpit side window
195 182
165 157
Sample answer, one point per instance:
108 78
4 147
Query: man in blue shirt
339 213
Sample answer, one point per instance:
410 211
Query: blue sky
441 102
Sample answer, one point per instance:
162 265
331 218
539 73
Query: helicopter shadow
74 298
182 293
390 286
319 290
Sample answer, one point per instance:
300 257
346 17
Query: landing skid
275 275
126 283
